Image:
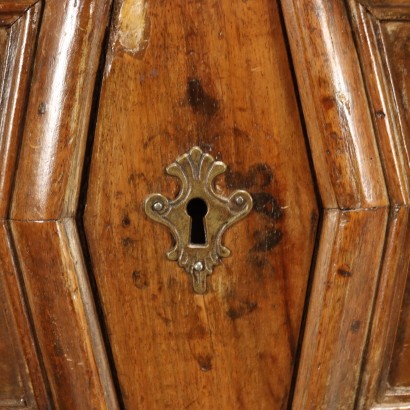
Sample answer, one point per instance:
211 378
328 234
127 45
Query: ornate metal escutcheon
198 216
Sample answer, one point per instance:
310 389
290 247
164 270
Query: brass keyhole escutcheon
198 216
197 209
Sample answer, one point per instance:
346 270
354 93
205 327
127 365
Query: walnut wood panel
343 287
45 195
334 103
16 75
50 165
217 76
387 111
396 36
384 52
11 385
21 378
350 175
56 298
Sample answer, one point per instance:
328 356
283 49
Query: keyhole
197 209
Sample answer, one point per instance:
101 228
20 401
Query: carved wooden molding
370 20
354 194
46 186
27 387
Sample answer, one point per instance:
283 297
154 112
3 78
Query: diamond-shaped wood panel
177 75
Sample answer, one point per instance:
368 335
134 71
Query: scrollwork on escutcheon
197 170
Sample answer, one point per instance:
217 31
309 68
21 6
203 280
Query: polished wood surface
44 202
57 117
380 30
217 76
350 176
56 301
339 311
337 116
22 382
18 55
396 35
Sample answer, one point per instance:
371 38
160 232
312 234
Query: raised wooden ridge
30 386
363 182
44 200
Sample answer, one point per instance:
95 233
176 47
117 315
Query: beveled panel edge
384 108
335 334
90 313
60 147
386 312
320 32
47 181
15 94
31 368
373 389
334 102
62 312
21 49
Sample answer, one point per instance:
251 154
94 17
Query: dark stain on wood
344 272
140 280
355 326
258 177
205 363
262 268
199 100
267 240
58 349
266 204
328 103
256 180
240 309
127 242
237 132
380 114
257 261
167 321
198 332
126 221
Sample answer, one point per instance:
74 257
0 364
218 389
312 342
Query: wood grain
50 164
384 62
339 125
52 278
14 93
344 284
397 37
44 204
21 378
217 76
22 383
350 176
387 111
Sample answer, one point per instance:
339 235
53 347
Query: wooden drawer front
177 75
